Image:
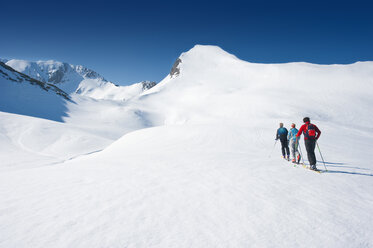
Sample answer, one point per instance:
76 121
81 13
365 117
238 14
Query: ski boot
298 158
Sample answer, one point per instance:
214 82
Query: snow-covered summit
203 52
210 51
66 76
220 87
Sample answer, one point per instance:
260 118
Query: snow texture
189 162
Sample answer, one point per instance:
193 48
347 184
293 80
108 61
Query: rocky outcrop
88 73
148 85
175 70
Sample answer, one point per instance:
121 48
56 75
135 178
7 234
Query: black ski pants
285 146
310 147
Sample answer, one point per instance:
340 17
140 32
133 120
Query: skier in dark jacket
311 135
282 134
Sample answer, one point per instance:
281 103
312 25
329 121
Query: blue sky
128 42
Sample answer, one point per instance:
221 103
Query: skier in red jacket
311 135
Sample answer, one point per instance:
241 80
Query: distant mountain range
40 88
21 94
77 79
8 73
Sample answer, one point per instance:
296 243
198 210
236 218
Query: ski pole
273 149
321 156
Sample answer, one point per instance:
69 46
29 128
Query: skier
282 134
294 144
311 135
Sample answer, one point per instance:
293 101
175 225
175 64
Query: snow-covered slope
204 174
77 78
214 85
28 142
21 94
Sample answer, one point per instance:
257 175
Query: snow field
179 192
194 166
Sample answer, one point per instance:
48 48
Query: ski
306 167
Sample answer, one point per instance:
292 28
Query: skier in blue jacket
282 134
293 141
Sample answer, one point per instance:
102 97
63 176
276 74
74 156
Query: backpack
310 132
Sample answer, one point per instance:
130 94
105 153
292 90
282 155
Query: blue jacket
282 133
292 134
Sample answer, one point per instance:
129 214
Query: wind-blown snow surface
202 174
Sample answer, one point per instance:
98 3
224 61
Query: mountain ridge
65 75
77 79
21 94
21 77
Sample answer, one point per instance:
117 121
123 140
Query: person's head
281 124
293 125
306 119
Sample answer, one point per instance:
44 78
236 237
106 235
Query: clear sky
131 41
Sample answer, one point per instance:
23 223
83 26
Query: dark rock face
148 85
57 76
92 74
175 70
88 73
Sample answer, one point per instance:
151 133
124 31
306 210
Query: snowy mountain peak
208 52
66 76
88 73
203 55
78 79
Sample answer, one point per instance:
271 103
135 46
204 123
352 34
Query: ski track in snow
189 162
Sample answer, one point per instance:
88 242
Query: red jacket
303 129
